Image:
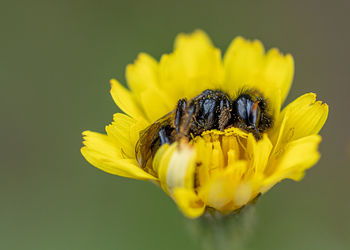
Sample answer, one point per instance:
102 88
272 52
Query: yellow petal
243 60
247 66
188 202
154 105
180 172
296 157
120 131
102 143
142 77
142 74
243 194
220 192
175 165
277 73
194 66
160 164
103 153
227 189
259 153
300 154
304 116
125 100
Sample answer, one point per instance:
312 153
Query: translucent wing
149 141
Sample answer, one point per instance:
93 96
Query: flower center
216 150
220 166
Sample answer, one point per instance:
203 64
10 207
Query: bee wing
149 141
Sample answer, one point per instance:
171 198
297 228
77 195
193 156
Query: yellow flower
223 170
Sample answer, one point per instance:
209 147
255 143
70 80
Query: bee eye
250 114
248 110
254 115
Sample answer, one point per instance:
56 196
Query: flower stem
223 232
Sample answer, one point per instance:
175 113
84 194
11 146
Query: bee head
248 112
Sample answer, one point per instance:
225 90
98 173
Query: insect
212 109
251 113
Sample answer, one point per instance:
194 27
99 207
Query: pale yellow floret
175 166
223 170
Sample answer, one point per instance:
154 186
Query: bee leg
191 111
184 118
180 111
224 119
225 114
165 135
256 133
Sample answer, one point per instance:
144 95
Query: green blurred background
55 64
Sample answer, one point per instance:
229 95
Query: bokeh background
56 59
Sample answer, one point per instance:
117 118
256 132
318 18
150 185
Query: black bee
212 109
251 113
